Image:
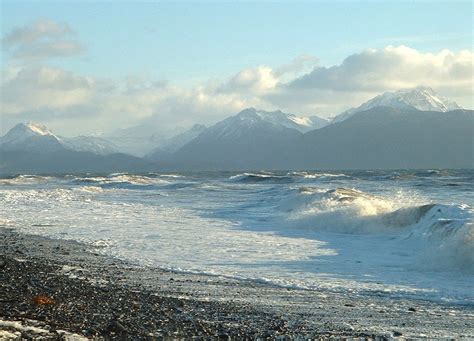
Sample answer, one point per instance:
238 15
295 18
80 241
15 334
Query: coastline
97 296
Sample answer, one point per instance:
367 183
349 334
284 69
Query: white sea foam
350 235
445 233
259 177
24 180
121 180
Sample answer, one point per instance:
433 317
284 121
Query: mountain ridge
421 98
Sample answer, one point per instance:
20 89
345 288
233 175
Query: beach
97 296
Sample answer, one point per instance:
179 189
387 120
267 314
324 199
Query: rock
116 327
412 309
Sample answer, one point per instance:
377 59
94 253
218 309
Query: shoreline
97 296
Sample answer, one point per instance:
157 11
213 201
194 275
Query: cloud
44 88
299 64
41 40
254 81
72 103
391 68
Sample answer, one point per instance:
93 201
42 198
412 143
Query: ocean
398 233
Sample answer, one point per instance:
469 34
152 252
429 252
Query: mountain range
32 148
410 128
36 137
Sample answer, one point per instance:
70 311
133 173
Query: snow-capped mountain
37 137
421 98
31 136
22 131
266 122
277 118
247 140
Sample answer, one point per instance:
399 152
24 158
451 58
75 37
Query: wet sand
57 289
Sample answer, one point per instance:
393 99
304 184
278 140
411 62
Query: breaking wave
122 181
24 180
260 177
320 176
287 177
445 233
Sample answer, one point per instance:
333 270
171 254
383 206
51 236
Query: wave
320 176
121 180
444 233
287 177
24 180
260 177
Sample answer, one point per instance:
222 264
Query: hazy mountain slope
91 144
421 98
317 122
174 143
142 139
389 138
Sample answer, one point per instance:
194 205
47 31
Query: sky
96 66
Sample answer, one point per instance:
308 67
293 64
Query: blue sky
188 41
110 65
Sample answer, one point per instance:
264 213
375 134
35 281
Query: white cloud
254 81
392 68
41 40
72 103
33 89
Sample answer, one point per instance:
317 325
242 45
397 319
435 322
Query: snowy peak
38 129
254 122
421 98
279 119
22 132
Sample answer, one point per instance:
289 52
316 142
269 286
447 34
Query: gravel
56 289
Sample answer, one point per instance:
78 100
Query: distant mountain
421 98
249 139
32 148
174 143
38 138
381 137
397 136
388 138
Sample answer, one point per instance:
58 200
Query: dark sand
96 296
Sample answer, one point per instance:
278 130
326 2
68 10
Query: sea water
392 233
